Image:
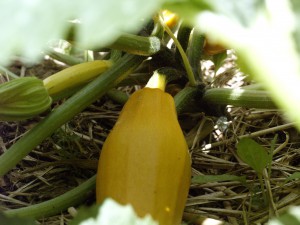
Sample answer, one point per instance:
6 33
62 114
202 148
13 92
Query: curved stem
55 205
186 63
239 97
68 110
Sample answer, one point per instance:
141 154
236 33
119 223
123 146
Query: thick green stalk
68 110
117 96
239 97
194 52
137 45
68 59
183 37
185 60
55 205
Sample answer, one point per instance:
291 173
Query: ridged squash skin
75 76
144 160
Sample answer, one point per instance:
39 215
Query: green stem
117 96
239 97
56 205
186 63
68 59
183 37
68 110
262 187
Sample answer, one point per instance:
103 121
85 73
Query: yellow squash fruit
75 76
145 160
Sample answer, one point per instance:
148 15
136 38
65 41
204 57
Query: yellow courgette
145 160
75 76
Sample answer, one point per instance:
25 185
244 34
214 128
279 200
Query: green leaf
188 9
253 154
110 212
99 23
218 60
294 176
15 220
202 179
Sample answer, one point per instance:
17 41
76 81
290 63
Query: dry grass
69 157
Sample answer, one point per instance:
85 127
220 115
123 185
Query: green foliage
266 43
110 212
217 178
35 23
294 176
253 154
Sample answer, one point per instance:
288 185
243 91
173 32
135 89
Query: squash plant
157 112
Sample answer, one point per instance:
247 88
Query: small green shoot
293 176
218 60
256 157
291 217
202 179
253 154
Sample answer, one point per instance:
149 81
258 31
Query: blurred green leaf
263 34
253 154
27 26
203 179
291 217
110 213
294 176
188 9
